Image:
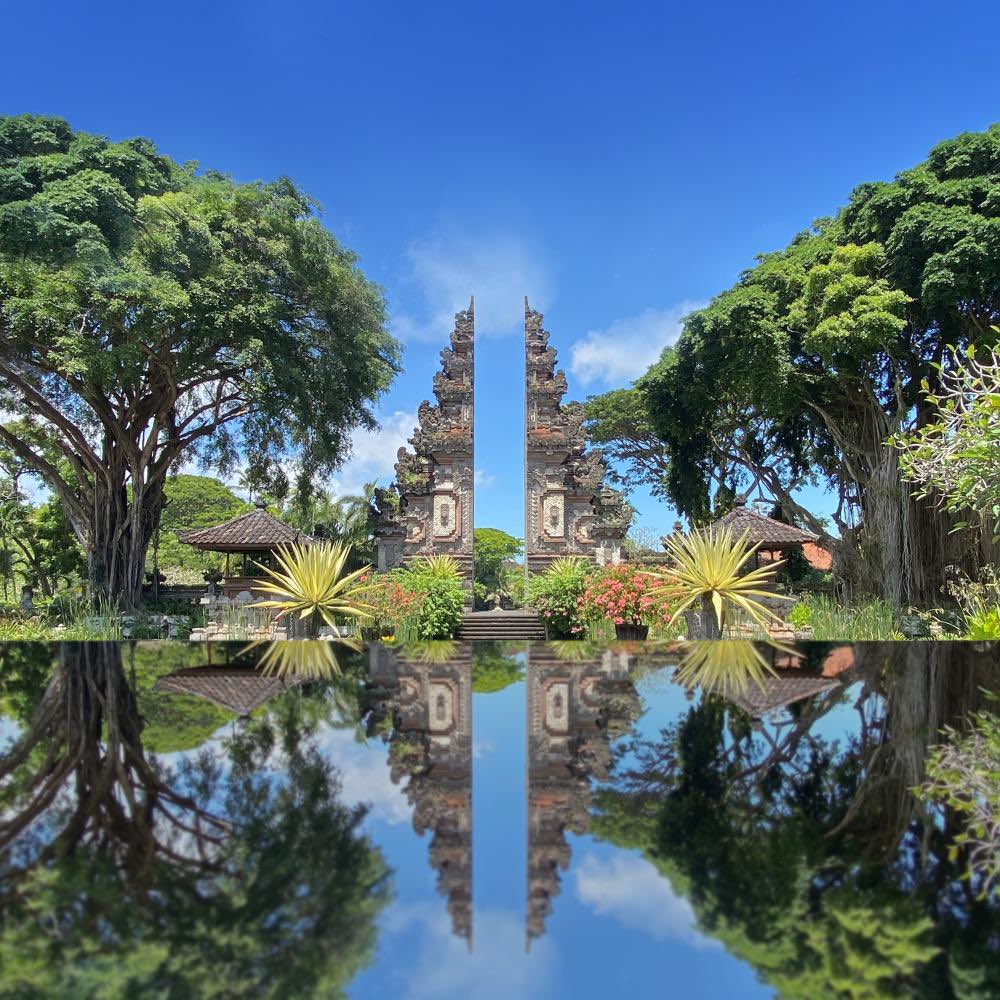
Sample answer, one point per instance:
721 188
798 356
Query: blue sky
616 163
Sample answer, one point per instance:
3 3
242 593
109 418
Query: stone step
484 625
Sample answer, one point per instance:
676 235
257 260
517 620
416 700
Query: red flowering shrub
624 595
391 603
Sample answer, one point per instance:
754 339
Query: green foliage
618 423
133 293
963 774
492 548
800 616
874 620
492 670
556 595
955 457
437 581
983 624
192 502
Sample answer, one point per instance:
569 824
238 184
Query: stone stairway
501 625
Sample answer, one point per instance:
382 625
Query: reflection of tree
493 669
810 859
122 877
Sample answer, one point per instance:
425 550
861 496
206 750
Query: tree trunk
121 530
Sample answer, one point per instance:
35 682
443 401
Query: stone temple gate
569 511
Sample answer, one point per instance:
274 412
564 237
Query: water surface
486 820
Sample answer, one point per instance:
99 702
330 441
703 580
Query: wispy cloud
499 967
632 891
483 479
624 350
373 453
446 270
365 776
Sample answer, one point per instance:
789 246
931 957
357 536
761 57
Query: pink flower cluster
623 595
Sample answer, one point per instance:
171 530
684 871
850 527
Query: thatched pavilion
251 538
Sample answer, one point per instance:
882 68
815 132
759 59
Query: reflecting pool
496 820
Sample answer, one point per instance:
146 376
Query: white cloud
364 775
373 453
500 968
482 478
447 271
632 891
625 349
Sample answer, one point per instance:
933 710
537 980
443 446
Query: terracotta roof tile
765 530
238 690
256 529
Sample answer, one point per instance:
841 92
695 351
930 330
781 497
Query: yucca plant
706 568
311 583
304 660
436 567
725 668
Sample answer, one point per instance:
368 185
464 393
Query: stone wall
429 508
569 511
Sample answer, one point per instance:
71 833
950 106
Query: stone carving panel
568 509
429 508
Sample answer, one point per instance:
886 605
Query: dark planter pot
372 633
631 633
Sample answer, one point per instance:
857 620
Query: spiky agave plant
706 568
306 660
725 668
311 583
436 567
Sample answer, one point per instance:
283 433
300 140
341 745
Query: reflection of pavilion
795 678
241 690
424 711
574 710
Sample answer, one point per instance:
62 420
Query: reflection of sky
616 923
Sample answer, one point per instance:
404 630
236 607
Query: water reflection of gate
423 710
575 710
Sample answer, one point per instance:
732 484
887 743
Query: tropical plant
150 315
436 567
437 582
556 595
706 569
310 581
955 457
624 595
725 668
816 356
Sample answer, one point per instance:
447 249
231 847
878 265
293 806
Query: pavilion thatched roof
255 531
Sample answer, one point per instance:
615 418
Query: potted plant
310 582
624 595
707 570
